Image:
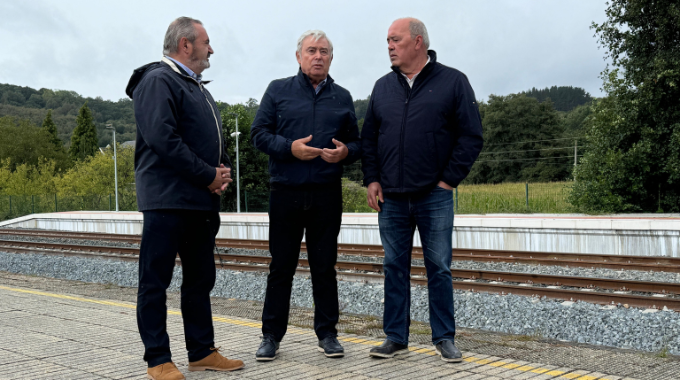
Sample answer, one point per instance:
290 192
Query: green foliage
51 129
27 103
633 157
84 141
564 98
254 175
520 142
21 143
354 197
360 107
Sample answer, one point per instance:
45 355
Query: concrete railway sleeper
655 294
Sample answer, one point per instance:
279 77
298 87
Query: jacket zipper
409 91
219 134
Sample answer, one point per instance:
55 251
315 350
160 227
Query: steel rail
618 262
234 262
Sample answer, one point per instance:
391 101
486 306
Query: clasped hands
306 153
221 181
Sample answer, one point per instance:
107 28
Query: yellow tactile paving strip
572 375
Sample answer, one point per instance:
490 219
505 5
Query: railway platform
60 329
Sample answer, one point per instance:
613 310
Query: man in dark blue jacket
181 167
306 124
421 135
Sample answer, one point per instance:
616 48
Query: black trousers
165 234
317 214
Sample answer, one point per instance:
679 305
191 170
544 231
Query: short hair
417 28
181 27
317 35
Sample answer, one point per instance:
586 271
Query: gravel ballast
578 322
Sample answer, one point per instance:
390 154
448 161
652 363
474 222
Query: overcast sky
504 46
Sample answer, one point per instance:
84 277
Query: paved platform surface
57 329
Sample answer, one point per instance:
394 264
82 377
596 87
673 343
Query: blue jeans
432 213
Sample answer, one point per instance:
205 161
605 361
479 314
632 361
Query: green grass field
548 197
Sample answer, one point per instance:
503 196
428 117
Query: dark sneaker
268 349
331 347
388 349
449 352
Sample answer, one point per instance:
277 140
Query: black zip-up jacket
414 138
179 139
291 110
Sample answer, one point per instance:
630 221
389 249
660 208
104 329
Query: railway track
617 262
596 290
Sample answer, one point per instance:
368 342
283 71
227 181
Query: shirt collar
320 85
410 81
188 70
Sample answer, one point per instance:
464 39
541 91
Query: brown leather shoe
165 371
216 362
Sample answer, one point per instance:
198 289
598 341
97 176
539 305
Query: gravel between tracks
634 275
580 322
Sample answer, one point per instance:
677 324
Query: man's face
400 45
200 50
315 59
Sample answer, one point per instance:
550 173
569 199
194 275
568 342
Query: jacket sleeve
468 134
155 113
369 145
263 130
349 136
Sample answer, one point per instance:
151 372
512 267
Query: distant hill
564 98
31 104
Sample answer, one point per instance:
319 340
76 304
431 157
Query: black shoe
268 349
388 349
331 347
449 352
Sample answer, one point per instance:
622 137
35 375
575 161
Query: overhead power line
526 142
531 150
530 159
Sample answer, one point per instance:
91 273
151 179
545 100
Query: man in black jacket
421 135
306 124
181 167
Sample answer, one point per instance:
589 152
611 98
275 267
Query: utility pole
115 161
238 190
575 151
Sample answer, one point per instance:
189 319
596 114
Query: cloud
503 46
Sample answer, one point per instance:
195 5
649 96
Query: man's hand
335 155
444 185
374 191
221 181
304 152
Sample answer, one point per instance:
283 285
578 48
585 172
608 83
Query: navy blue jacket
291 110
179 139
414 138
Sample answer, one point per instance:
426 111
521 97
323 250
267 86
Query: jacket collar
426 70
180 71
305 81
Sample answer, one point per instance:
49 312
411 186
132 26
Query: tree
633 159
21 142
254 175
51 129
564 98
84 141
522 142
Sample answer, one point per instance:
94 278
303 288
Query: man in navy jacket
181 167
421 135
306 124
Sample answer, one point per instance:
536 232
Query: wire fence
468 199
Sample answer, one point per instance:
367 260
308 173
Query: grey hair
417 28
181 27
317 35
